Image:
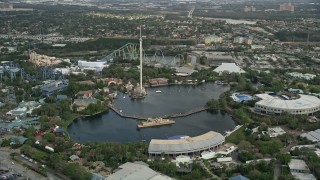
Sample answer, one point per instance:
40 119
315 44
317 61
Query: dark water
173 99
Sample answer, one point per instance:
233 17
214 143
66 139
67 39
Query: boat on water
124 97
158 91
227 133
221 83
151 122
120 111
178 137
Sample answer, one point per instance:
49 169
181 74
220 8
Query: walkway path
120 113
208 170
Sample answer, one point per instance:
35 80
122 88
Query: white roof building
228 67
298 165
98 66
275 105
204 142
182 159
208 155
24 108
184 70
275 131
134 171
300 170
313 136
302 76
225 159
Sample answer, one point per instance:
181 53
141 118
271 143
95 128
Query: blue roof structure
18 139
239 177
60 130
53 87
96 176
18 123
61 97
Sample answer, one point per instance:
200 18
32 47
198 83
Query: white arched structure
305 104
186 146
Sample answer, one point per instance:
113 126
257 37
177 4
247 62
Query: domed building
273 104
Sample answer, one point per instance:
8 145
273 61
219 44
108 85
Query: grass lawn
237 136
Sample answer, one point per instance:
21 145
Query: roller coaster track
129 51
43 72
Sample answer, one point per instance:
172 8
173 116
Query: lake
236 21
172 100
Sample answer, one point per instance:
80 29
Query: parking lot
10 167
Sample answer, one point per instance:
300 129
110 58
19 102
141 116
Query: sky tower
140 40
139 91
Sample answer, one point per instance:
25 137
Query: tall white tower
139 91
140 60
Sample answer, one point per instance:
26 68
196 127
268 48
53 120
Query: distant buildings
258 47
45 38
6 6
241 40
249 9
158 82
212 39
238 40
302 76
229 68
287 7
248 41
9 7
44 60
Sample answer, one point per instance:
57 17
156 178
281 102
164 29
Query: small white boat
124 97
120 111
158 91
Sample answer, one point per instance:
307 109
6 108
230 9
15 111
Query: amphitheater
186 146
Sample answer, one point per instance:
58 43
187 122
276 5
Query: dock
155 122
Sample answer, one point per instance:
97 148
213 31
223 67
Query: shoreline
97 113
70 121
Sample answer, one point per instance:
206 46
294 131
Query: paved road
277 170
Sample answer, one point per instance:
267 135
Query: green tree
284 158
5 142
49 137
